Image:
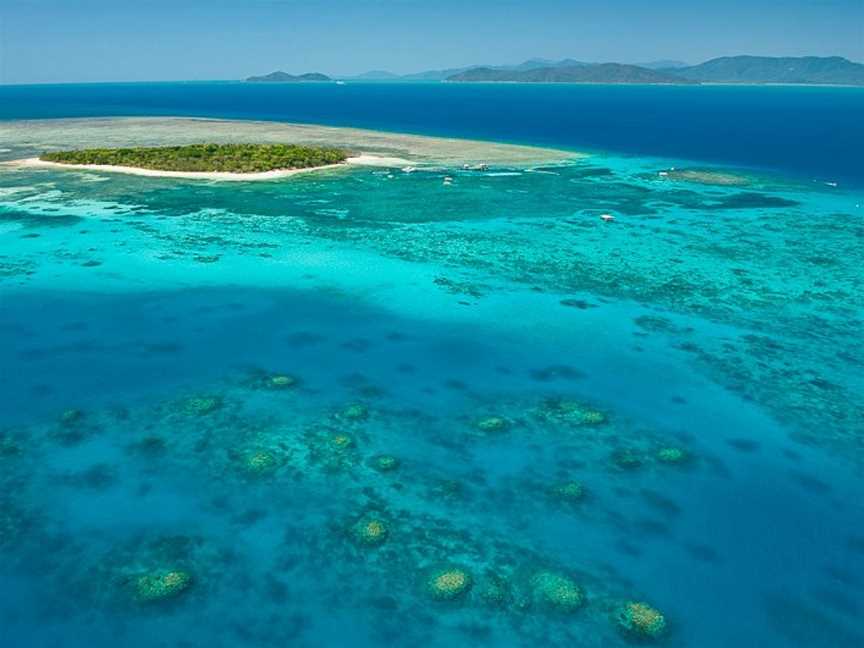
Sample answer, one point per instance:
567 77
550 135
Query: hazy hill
663 65
580 73
284 77
435 75
536 64
766 69
376 75
531 64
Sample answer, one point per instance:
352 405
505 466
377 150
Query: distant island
585 73
284 77
728 69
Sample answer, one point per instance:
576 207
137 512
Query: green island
217 158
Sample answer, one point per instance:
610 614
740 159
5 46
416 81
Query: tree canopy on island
232 158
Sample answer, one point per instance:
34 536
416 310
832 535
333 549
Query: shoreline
362 159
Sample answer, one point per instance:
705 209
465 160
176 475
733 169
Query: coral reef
259 462
71 416
281 381
354 412
626 459
370 531
341 441
446 489
571 412
569 491
494 590
385 463
448 583
705 176
492 424
640 620
556 591
672 455
161 585
330 449
201 405
8 446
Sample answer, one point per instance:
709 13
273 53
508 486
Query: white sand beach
363 159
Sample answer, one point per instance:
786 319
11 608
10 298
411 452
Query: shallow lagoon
495 335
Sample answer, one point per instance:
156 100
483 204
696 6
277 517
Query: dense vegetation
235 158
768 69
579 73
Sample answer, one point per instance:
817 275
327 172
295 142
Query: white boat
607 218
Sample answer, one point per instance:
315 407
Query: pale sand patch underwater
706 177
33 137
363 159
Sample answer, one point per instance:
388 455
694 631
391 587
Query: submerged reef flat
423 538
705 177
542 400
156 131
297 467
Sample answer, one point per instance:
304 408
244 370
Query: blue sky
47 41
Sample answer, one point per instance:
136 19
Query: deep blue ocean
602 400
811 132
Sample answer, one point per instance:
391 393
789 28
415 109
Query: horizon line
397 76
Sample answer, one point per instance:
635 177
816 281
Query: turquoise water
199 379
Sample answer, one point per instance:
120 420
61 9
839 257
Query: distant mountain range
728 69
763 69
580 73
284 77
